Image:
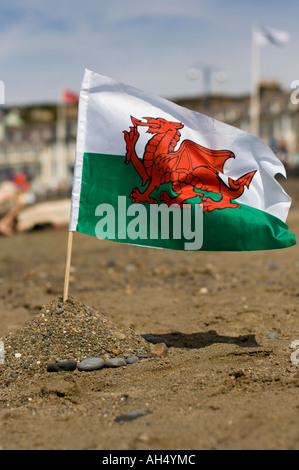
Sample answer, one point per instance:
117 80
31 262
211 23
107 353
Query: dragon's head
157 125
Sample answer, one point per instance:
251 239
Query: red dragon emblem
191 169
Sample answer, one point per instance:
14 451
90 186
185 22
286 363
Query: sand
229 320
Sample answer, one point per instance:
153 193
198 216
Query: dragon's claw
137 196
164 197
134 194
130 139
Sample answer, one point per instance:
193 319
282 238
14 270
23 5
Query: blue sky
45 46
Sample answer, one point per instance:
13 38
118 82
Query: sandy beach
228 320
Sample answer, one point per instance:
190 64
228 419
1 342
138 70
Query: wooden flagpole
67 267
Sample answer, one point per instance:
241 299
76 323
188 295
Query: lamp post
207 73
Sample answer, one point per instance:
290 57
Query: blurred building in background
279 118
40 140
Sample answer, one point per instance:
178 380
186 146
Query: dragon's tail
244 180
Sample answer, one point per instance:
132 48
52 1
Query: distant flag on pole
69 97
138 152
266 35
261 36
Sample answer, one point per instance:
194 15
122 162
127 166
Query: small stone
159 350
116 352
115 362
18 355
145 356
131 415
273 265
14 375
132 359
203 290
144 437
53 367
67 365
272 335
91 363
110 263
59 311
130 267
119 335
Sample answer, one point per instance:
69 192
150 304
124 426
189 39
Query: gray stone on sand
115 362
59 311
91 363
131 415
145 356
132 359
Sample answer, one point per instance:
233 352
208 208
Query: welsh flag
149 172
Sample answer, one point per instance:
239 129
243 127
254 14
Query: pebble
203 290
110 263
119 335
67 365
91 363
145 356
59 311
159 350
273 265
130 267
115 362
132 359
53 367
272 335
131 415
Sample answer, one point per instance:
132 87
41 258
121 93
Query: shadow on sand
202 340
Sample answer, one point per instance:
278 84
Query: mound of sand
69 330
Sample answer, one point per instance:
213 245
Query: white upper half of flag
105 110
264 35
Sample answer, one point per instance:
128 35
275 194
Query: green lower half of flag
106 211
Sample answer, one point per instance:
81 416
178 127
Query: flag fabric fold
137 154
